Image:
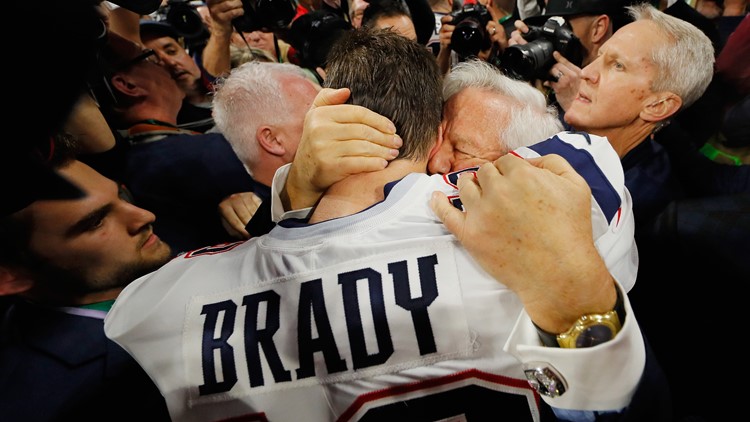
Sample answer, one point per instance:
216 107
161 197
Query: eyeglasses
147 55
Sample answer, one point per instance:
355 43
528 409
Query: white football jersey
377 315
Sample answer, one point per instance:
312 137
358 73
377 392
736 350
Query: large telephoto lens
527 61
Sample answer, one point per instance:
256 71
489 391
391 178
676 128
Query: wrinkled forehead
641 37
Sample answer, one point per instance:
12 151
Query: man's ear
13 282
124 84
438 143
268 140
661 106
600 31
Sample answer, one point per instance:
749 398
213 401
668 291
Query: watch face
593 335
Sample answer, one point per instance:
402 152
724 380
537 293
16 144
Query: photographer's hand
446 32
498 40
516 37
567 80
216 57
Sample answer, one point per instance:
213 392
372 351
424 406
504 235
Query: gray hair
251 96
685 64
531 120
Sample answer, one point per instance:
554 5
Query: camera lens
467 38
185 20
528 61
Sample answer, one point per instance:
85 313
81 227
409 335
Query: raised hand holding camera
567 78
470 29
529 56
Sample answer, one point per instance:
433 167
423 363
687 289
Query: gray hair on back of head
251 96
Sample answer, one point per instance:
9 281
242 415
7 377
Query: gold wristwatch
589 330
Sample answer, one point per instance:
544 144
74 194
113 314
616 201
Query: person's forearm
296 194
216 57
444 60
734 8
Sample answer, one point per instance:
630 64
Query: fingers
521 26
329 106
223 12
453 219
233 224
361 116
557 165
497 33
490 175
516 37
560 58
329 96
470 187
236 210
374 144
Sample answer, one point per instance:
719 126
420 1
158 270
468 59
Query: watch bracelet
550 340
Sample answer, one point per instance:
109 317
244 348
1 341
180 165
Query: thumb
453 218
330 96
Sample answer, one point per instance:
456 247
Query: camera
268 15
313 34
183 17
534 59
470 35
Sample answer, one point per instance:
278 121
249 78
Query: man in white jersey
371 309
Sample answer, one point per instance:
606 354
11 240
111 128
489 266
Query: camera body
470 35
313 34
267 15
534 59
183 17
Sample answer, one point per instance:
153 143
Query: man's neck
624 139
359 191
58 298
265 168
144 114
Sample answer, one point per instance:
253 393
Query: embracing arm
535 217
338 140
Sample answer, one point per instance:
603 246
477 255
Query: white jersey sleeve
611 207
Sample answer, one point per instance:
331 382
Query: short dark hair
385 9
394 76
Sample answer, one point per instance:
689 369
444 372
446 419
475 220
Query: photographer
261 25
169 47
216 57
471 30
592 22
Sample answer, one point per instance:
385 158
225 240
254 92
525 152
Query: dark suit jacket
56 366
181 179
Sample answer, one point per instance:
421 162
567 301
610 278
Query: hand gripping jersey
374 316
